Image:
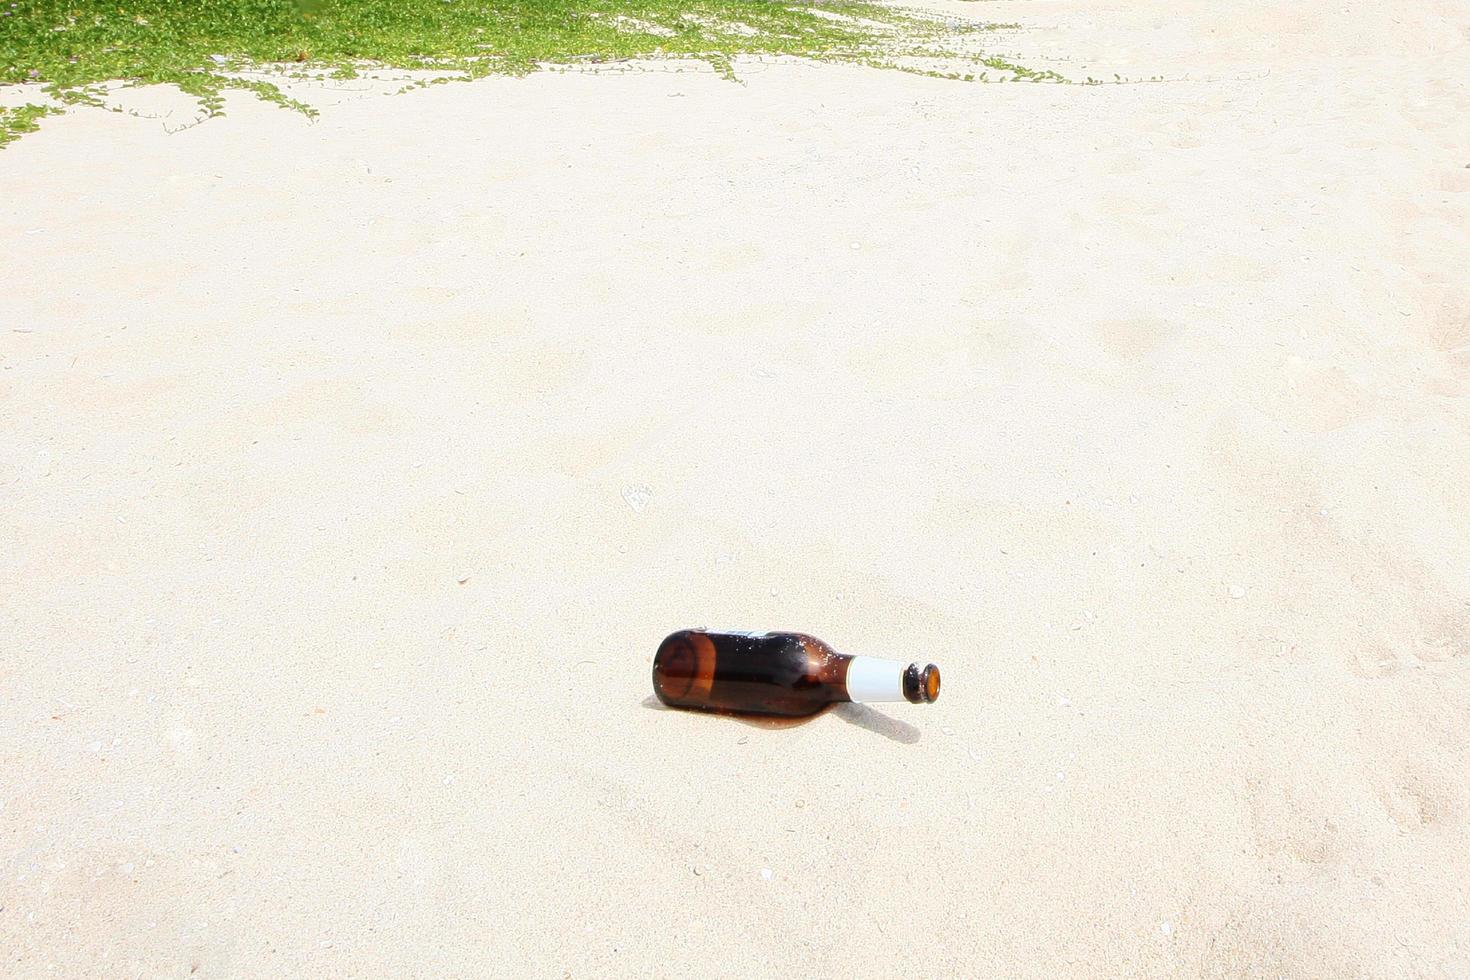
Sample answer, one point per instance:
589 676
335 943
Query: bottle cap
921 687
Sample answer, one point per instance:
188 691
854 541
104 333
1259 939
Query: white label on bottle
872 679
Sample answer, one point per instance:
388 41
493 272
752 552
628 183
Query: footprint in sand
1444 636
1417 798
1283 824
1374 663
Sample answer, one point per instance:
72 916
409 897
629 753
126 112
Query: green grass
72 47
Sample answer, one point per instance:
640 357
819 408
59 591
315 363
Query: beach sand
352 470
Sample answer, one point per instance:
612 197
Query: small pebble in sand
767 874
1236 592
1167 928
462 579
637 497
947 731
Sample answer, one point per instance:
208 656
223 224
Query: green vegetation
21 119
72 47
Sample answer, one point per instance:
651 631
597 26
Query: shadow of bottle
861 715
866 716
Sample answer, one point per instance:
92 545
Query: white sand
1144 410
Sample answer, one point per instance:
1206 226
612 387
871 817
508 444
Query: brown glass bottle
789 674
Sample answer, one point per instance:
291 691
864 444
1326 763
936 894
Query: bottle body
788 674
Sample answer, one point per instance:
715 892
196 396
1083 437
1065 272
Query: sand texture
351 471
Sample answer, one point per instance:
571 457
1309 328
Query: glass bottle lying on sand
788 674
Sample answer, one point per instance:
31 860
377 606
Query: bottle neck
871 679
